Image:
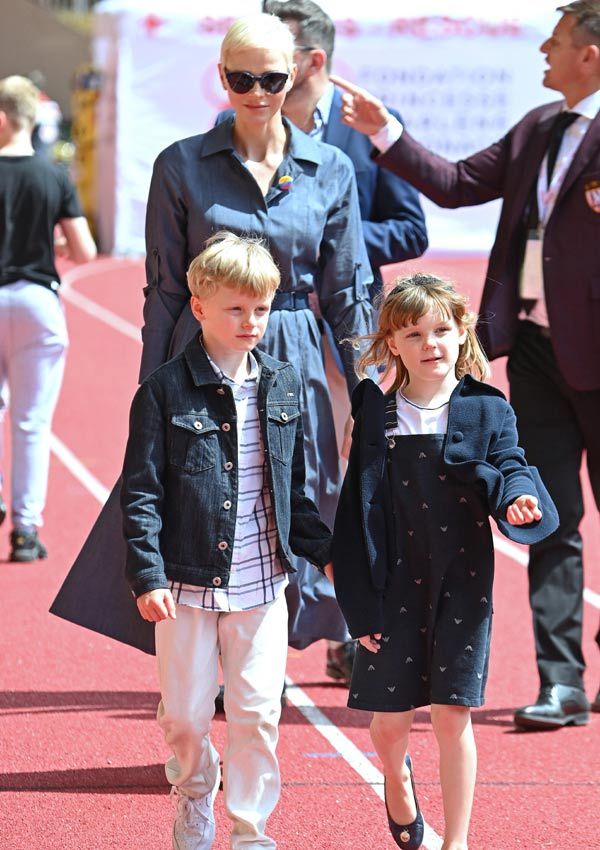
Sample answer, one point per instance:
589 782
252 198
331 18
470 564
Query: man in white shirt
541 306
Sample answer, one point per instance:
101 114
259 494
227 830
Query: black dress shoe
340 660
409 837
557 706
596 703
2 509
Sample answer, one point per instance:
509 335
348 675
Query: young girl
413 555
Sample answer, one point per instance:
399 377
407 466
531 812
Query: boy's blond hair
19 99
237 262
259 30
408 300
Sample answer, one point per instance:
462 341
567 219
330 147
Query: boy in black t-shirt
35 196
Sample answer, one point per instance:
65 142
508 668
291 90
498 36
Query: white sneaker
194 827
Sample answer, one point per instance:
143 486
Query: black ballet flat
409 837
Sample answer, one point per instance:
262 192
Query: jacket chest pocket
193 442
282 423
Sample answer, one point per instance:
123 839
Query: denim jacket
180 475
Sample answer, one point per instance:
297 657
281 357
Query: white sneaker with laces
194 827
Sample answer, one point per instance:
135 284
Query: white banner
459 83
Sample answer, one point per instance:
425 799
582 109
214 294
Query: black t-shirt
34 195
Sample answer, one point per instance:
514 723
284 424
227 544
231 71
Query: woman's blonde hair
408 300
258 30
238 262
19 99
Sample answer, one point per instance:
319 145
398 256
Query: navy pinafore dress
438 598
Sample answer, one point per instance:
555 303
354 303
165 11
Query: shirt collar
301 146
588 106
252 376
324 104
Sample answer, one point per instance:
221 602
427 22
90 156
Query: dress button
227 504
220 391
227 466
217 581
457 437
226 426
197 425
222 545
284 416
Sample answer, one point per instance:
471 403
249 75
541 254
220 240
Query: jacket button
226 426
227 466
222 545
284 416
457 437
197 425
220 391
217 581
227 504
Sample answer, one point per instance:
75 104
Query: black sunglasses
241 82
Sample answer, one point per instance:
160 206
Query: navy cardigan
481 448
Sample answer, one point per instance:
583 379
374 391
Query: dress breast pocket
282 424
193 442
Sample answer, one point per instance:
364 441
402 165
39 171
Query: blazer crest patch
592 195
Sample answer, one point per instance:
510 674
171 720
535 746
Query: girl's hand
371 642
347 439
156 605
328 570
523 510
360 109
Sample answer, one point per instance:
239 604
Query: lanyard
547 197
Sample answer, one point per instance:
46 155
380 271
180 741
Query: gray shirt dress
312 226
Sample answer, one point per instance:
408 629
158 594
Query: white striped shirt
257 576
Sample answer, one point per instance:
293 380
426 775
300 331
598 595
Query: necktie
561 122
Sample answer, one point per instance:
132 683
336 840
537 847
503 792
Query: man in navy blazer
541 306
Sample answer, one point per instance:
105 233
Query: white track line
102 314
78 470
92 308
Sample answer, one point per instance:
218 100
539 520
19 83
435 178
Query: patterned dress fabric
438 603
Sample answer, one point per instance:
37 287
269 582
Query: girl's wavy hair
408 300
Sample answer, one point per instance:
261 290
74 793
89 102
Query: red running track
80 750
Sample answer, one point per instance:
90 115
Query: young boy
35 195
213 502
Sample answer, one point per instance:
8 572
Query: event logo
592 195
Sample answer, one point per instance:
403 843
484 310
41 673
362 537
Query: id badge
531 286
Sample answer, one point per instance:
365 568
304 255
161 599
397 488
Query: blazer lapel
586 150
536 147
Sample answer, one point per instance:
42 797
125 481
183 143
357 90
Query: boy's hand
523 510
371 642
360 109
328 570
156 605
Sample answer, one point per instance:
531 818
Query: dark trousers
556 424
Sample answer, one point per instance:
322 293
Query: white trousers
33 343
253 649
